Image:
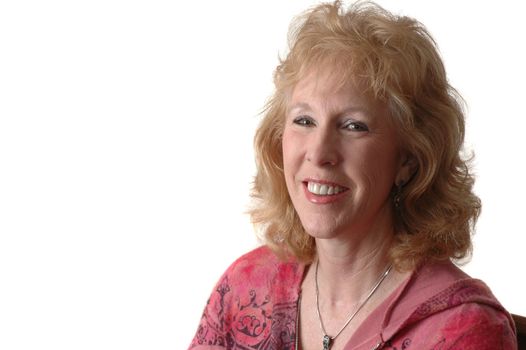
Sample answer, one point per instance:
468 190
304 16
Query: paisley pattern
254 307
254 323
406 343
258 312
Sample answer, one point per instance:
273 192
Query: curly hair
398 62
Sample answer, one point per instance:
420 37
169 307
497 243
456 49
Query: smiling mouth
324 189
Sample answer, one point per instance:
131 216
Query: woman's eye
355 126
303 121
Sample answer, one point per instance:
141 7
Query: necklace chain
327 340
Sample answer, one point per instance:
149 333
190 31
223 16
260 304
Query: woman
363 202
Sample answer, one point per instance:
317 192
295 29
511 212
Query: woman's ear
407 169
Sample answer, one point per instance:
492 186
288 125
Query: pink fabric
254 306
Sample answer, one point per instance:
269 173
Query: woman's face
341 158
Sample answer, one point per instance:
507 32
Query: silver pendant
326 342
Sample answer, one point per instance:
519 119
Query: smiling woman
343 142
363 200
126 162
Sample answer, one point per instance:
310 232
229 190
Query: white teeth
323 189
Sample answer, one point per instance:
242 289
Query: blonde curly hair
398 62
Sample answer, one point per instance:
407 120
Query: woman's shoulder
262 268
477 325
444 307
441 286
254 302
259 258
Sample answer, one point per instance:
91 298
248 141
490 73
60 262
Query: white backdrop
126 156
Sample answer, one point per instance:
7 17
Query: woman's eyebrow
300 106
303 106
364 111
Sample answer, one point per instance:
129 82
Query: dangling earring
398 194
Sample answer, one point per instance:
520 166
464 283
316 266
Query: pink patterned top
254 306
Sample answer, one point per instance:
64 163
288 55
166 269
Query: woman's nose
322 148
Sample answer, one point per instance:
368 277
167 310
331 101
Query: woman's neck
349 267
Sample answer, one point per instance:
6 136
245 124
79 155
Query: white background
126 156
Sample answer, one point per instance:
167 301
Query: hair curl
397 61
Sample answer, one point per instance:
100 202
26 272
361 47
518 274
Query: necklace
327 340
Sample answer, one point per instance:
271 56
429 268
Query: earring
398 194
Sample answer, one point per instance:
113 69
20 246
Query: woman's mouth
323 192
324 189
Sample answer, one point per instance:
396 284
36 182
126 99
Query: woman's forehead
327 82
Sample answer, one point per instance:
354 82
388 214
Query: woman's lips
323 192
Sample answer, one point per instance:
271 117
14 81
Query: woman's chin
322 230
